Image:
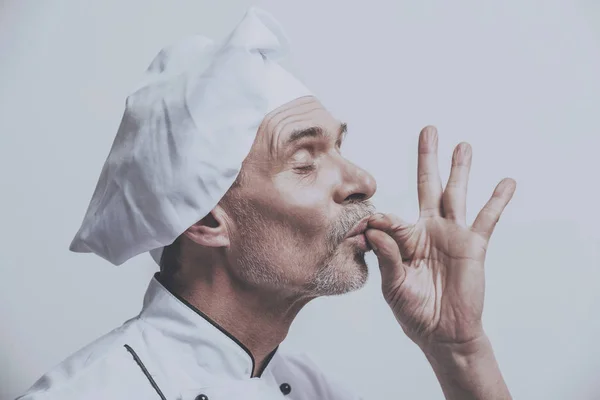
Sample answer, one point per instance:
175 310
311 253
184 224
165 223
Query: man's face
297 201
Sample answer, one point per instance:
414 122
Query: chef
230 173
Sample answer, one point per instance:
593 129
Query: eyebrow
315 131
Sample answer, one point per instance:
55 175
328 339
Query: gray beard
338 273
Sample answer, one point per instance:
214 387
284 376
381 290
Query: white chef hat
183 137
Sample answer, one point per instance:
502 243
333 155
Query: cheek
306 207
295 208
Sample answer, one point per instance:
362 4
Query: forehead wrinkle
291 105
339 132
270 125
290 121
336 134
285 121
298 103
271 121
280 127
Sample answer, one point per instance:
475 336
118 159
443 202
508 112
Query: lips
358 229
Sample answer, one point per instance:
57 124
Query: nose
357 184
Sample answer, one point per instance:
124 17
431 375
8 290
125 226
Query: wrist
467 370
459 355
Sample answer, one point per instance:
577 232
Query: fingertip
377 215
429 129
428 139
509 184
376 219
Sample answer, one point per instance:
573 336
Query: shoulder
298 369
105 368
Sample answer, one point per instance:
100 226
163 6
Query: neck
256 318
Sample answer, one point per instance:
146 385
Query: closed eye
305 168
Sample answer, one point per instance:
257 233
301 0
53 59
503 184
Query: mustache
353 213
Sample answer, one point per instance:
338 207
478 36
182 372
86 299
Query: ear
210 231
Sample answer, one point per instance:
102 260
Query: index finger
391 224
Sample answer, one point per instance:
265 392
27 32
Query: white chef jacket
172 351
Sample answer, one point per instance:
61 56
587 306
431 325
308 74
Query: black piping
219 327
145 371
267 361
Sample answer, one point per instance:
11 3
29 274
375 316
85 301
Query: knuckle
490 215
425 177
455 184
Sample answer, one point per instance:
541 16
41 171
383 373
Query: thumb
388 254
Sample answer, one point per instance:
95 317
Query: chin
359 270
346 272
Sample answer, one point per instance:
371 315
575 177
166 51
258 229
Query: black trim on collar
223 330
267 361
145 371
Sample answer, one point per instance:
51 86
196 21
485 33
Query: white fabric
183 137
186 356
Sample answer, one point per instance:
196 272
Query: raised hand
433 270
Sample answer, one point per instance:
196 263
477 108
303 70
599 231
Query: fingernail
377 216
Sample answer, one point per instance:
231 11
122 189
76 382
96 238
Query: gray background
519 80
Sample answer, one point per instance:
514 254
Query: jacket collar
212 346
